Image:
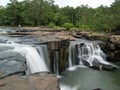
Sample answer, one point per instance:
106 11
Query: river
90 79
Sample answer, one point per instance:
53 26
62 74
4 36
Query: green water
89 79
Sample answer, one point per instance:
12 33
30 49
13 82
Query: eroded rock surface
11 63
112 48
32 82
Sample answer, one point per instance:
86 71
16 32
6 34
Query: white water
35 63
88 52
56 63
65 87
43 52
70 56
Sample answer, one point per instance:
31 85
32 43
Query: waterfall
91 52
35 62
85 52
56 63
70 56
43 52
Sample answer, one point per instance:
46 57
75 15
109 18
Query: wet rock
97 89
12 63
58 51
96 65
2 41
4 48
85 63
11 56
112 48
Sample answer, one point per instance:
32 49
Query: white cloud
3 2
74 3
91 3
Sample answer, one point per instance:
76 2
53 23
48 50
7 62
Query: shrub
51 25
68 26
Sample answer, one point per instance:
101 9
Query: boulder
12 63
96 65
85 63
112 48
97 89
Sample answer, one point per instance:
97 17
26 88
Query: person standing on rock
19 27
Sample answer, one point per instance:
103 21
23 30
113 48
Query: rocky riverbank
39 81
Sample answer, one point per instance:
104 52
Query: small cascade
56 63
86 53
70 56
91 52
73 55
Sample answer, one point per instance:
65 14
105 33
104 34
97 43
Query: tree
45 12
115 10
69 13
2 15
39 11
13 12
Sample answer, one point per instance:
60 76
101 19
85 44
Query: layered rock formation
58 51
112 48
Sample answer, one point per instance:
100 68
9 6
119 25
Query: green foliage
51 25
43 12
68 25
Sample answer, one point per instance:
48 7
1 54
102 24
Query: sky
74 3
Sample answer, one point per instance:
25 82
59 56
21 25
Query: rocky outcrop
32 82
58 51
11 62
112 48
98 65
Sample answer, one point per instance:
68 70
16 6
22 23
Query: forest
46 13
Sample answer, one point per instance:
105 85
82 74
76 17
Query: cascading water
56 63
90 52
43 52
35 62
70 56
85 52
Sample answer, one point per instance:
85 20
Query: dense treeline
46 13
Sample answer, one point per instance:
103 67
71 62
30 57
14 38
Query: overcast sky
74 3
